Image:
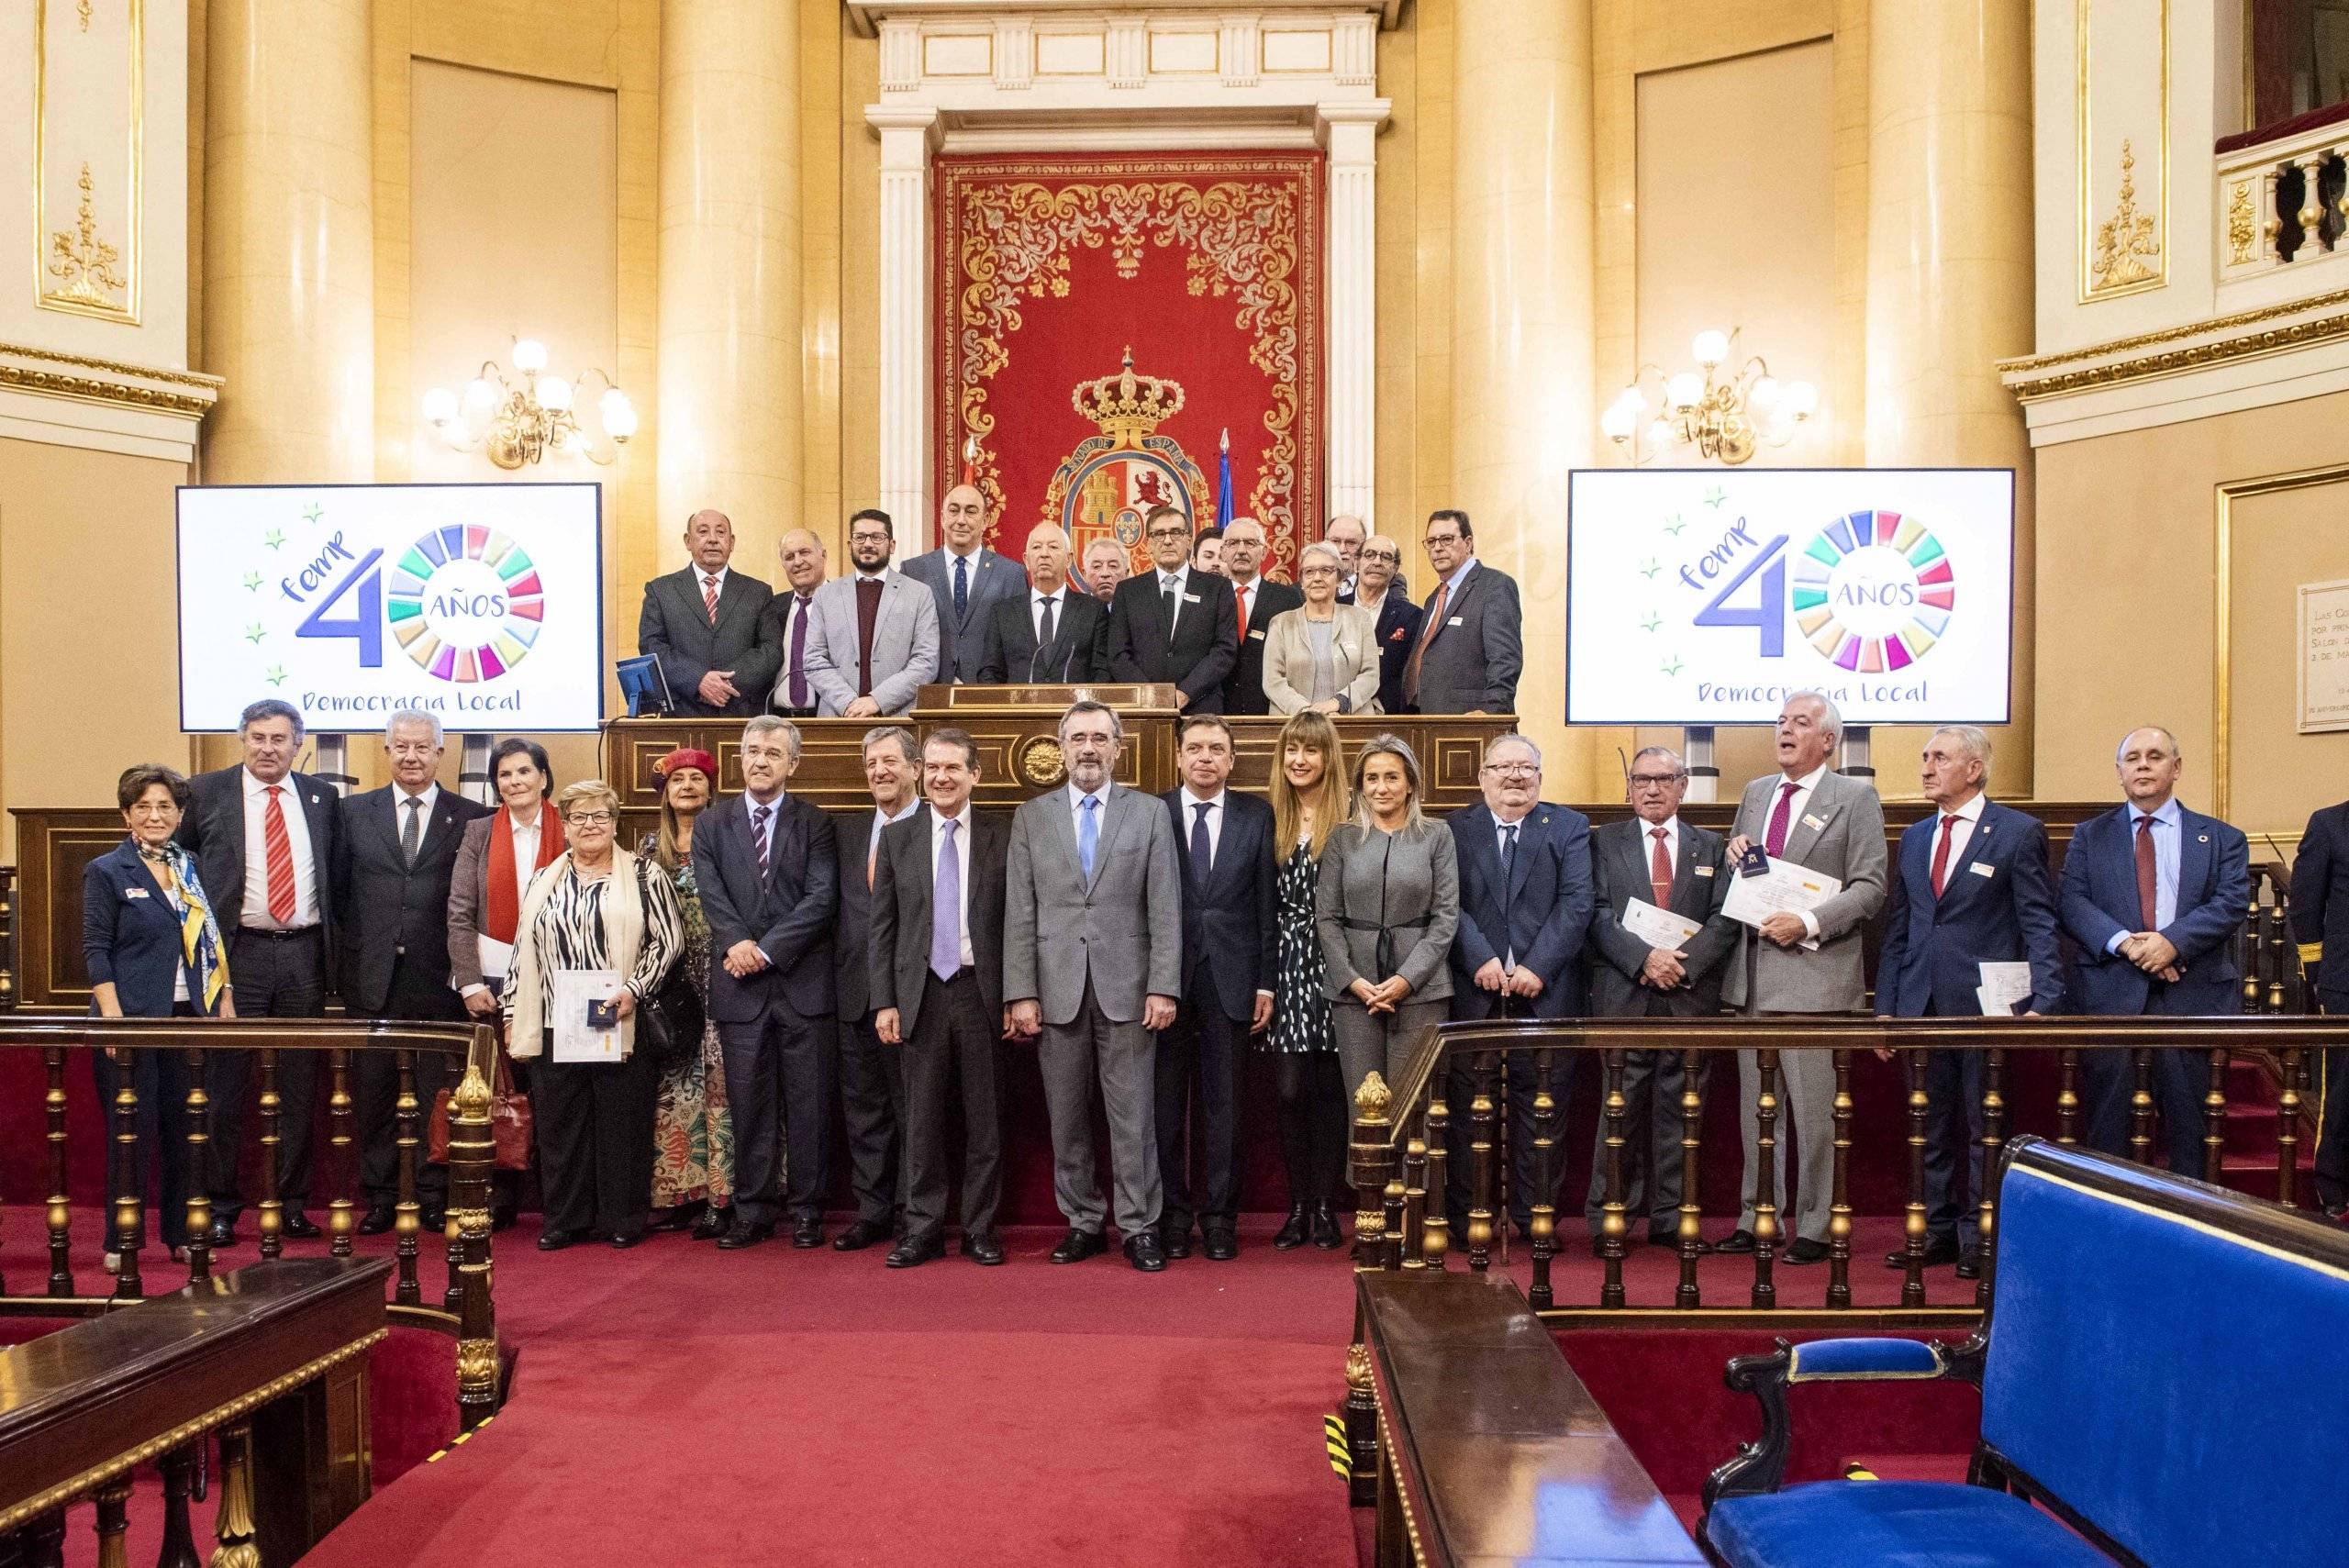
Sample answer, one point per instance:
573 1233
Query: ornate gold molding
82 260
77 269
120 367
2126 240
87 389
2242 225
2112 257
2197 356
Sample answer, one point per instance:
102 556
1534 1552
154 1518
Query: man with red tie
1257 602
2152 893
706 623
1972 890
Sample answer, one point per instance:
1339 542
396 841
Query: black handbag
669 1022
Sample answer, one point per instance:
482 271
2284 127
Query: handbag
510 1123
669 1022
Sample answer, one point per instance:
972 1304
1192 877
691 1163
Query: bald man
1051 633
966 578
790 622
706 625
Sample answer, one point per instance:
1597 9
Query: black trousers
1654 1082
419 990
873 1108
1311 1094
1953 1081
2181 1077
1524 1075
279 976
594 1133
956 1042
779 1091
1207 1048
2331 1090
161 1079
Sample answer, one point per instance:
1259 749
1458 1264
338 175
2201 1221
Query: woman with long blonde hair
1308 801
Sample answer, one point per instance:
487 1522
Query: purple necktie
1775 843
946 909
799 654
759 816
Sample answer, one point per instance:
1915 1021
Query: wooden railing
269 1362
463 1309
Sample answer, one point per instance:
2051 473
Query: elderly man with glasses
1380 591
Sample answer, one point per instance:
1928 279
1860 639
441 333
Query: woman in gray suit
1322 657
1388 902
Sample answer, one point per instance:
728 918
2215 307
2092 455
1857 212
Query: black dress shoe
1669 1235
807 1233
1325 1234
223 1233
911 1252
294 1223
680 1218
1222 1244
983 1250
556 1241
433 1217
1079 1245
1803 1249
1735 1241
745 1233
378 1220
1939 1250
1969 1263
503 1216
1144 1253
623 1239
1174 1243
713 1224
863 1234
1293 1230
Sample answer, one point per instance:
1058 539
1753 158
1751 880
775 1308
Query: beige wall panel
1397 190
578 40
822 26
2275 775
1668 34
1431 22
860 280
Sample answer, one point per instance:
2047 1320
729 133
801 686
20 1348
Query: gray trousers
1377 1042
1806 1114
1123 1058
1653 1083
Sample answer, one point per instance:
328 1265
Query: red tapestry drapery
1206 268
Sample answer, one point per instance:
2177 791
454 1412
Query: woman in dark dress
1308 800
692 1137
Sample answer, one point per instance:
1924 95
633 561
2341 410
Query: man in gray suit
1470 650
1093 962
873 635
1813 816
708 627
965 579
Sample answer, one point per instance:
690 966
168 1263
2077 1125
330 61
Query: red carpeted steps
2248 1156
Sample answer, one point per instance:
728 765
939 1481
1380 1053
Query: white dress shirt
1058 600
1961 832
1214 803
1179 581
400 797
1671 825
775 810
1804 786
497 957
701 584
873 841
962 821
1100 813
1247 595
255 911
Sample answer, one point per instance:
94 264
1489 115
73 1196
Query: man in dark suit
263 839
1470 650
396 848
2152 893
1174 625
1051 633
1379 588
872 1071
1972 890
1255 602
1654 858
789 620
2320 921
965 578
937 977
1525 902
767 866
706 625
1230 955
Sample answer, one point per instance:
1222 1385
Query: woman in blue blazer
153 950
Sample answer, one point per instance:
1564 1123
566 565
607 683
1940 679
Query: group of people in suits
1345 638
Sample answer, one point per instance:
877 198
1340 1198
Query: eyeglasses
591 819
1655 781
1319 572
1170 533
1386 555
1441 539
1512 770
868 539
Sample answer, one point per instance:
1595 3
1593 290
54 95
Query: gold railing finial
472 1099
1372 1100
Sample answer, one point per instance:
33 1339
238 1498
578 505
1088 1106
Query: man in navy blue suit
2321 921
1974 889
1229 957
1525 902
2152 893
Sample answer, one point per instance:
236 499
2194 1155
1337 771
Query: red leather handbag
510 1125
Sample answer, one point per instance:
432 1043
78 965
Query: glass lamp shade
529 356
439 406
1685 390
480 395
1618 421
1709 348
1659 434
554 394
620 417
1801 399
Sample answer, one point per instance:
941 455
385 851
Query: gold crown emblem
1128 406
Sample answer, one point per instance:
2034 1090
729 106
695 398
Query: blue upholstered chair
2165 1377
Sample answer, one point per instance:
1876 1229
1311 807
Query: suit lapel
2193 858
918 885
1530 830
1977 843
1684 863
1801 837
1115 808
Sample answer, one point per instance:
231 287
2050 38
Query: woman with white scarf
595 906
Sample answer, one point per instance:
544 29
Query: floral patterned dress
1300 1010
692 1137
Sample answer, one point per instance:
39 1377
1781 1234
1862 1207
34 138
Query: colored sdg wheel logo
466 603
1873 592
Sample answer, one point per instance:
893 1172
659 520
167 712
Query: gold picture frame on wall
85 263
2124 249
2222 627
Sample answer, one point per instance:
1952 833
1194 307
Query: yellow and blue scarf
200 943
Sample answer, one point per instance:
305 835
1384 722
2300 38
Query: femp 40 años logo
463 602
1872 591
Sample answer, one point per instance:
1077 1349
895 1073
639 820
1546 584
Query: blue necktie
1088 837
946 909
1202 852
962 587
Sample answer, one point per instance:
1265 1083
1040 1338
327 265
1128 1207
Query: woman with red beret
693 1157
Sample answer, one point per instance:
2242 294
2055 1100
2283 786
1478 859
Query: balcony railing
2283 204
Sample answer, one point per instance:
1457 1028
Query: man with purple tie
790 616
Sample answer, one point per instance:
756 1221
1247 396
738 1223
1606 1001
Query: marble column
289 242
1522 259
909 135
728 416
1349 136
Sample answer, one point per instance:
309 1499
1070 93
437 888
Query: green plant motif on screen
274 539
254 633
252 582
276 674
313 512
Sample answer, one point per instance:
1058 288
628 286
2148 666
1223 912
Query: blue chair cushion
1892 1524
1832 1361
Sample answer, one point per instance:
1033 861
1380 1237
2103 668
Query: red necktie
278 848
1773 842
2148 881
1660 870
709 598
1239 591
1941 856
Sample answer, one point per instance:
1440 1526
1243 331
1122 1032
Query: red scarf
504 890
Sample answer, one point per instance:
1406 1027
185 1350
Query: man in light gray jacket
873 635
1093 963
1815 817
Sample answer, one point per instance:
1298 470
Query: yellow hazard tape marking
1859 1473
1333 1434
461 1439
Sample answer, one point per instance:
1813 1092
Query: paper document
2004 987
1785 889
574 1040
1658 928
497 957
